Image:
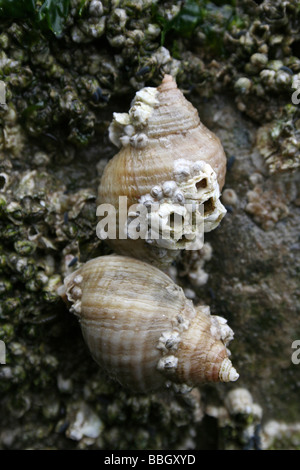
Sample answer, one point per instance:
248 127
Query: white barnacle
213 217
96 8
129 130
170 224
215 330
78 279
148 95
179 196
143 106
181 323
157 192
122 119
146 199
202 184
239 401
181 169
76 307
199 166
116 128
169 188
167 363
202 187
183 389
169 341
220 330
76 292
225 331
125 140
139 140
139 114
123 128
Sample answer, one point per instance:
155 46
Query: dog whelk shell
141 329
167 159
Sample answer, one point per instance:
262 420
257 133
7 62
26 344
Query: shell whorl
167 156
170 98
172 127
141 329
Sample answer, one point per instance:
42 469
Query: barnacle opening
201 184
209 206
176 220
3 181
32 232
172 219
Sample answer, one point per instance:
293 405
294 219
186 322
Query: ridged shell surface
174 132
140 328
167 156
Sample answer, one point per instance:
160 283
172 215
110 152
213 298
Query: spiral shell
167 158
142 330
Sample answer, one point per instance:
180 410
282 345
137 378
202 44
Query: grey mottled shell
140 328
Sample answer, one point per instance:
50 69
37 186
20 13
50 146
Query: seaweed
211 18
50 15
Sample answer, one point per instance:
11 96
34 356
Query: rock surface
240 67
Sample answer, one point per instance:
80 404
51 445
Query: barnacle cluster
191 266
268 53
260 58
55 87
240 416
269 204
266 207
279 141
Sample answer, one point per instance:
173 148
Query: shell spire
227 372
172 102
142 330
167 159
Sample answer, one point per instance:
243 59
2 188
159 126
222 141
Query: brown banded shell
142 330
167 157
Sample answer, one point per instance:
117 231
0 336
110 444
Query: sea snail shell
166 156
140 327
